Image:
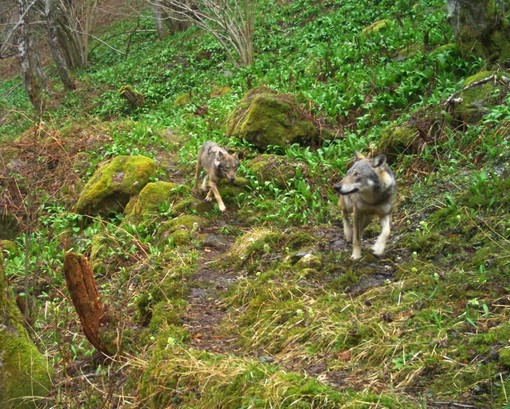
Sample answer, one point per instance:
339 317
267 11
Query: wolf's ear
220 155
379 160
358 156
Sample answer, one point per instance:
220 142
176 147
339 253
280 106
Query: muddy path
206 311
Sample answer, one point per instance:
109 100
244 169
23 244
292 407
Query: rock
150 199
113 184
181 230
24 371
8 246
395 140
475 100
265 118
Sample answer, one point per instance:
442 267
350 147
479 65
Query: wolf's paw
222 207
356 255
378 250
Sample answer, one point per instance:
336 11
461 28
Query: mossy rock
113 184
274 168
309 260
376 27
181 230
229 191
150 200
395 140
477 100
190 204
100 253
255 242
8 246
265 119
25 376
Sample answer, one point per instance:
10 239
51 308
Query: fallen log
92 311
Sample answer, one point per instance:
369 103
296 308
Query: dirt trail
206 311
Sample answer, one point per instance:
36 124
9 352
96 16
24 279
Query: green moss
476 101
8 246
504 357
25 377
165 315
230 191
182 229
376 27
264 119
252 245
201 379
145 207
183 99
113 184
395 140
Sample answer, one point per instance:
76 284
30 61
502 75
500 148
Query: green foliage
428 319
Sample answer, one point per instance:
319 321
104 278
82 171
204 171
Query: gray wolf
367 190
218 164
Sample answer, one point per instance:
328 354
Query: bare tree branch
231 23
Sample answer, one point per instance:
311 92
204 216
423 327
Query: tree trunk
56 51
93 313
33 76
157 11
74 21
480 28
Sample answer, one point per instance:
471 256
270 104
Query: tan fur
367 190
218 164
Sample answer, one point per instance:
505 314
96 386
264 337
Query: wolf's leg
356 235
204 184
380 243
347 226
198 168
216 193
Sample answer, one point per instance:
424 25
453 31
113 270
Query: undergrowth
424 326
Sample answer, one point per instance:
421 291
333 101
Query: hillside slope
261 306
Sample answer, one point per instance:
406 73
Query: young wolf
368 189
218 163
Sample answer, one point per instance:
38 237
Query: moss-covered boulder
229 191
25 377
274 168
151 199
251 245
8 246
478 96
182 229
395 140
113 184
265 118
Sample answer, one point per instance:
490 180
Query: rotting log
92 311
134 99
